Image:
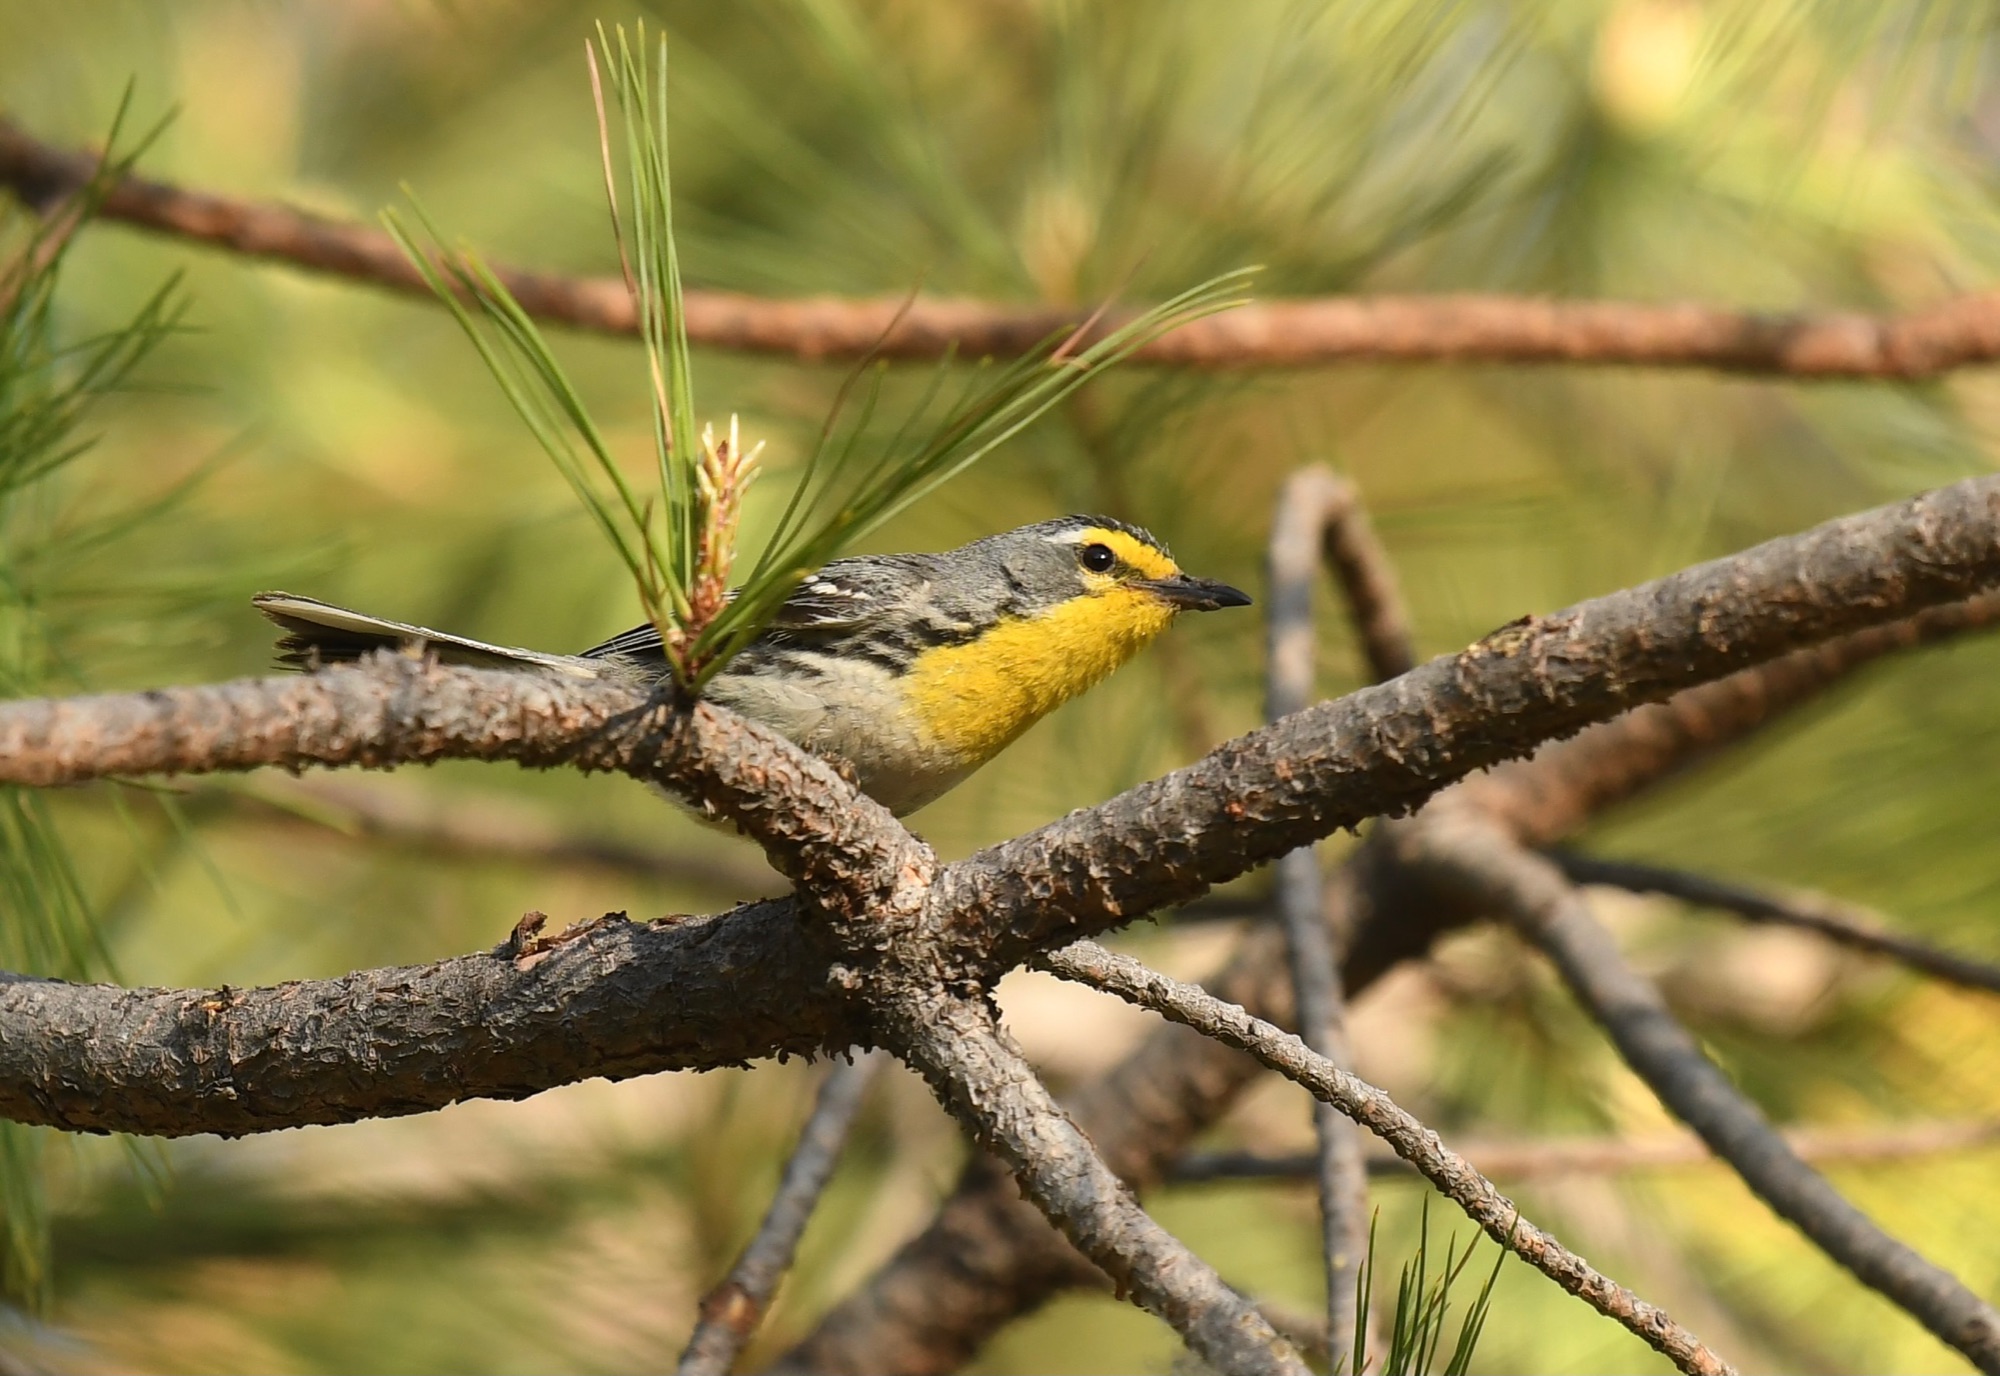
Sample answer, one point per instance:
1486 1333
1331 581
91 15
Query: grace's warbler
912 670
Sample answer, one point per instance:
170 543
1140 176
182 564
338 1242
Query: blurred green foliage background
325 438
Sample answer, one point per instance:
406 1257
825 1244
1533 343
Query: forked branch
1381 750
987 1257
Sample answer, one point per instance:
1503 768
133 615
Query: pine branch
863 877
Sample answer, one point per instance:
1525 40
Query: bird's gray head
1052 562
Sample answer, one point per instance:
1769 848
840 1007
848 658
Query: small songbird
911 670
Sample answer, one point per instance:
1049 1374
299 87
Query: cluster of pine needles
678 541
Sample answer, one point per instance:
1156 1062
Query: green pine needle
45 390
1423 1308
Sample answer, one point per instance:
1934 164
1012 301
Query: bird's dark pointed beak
1195 594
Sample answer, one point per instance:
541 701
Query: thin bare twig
982 1078
1532 893
1964 332
1091 964
1849 924
1342 1176
731 1311
1547 1157
1316 511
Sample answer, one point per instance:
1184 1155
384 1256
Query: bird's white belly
861 719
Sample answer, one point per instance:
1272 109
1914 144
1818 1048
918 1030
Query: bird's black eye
1097 558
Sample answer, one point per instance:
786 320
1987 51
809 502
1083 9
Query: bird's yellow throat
974 699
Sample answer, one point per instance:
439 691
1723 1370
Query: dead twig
1847 923
1317 511
1277 1049
1556 1157
731 1311
1532 893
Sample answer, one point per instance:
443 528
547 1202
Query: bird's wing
844 595
848 593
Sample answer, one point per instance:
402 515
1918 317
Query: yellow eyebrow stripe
1148 561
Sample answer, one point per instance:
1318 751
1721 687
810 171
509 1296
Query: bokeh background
317 436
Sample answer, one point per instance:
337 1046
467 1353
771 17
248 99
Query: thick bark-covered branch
1541 800
613 999
983 1079
1548 911
1409 1138
1303 333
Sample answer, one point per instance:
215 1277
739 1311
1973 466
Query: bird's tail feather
320 633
